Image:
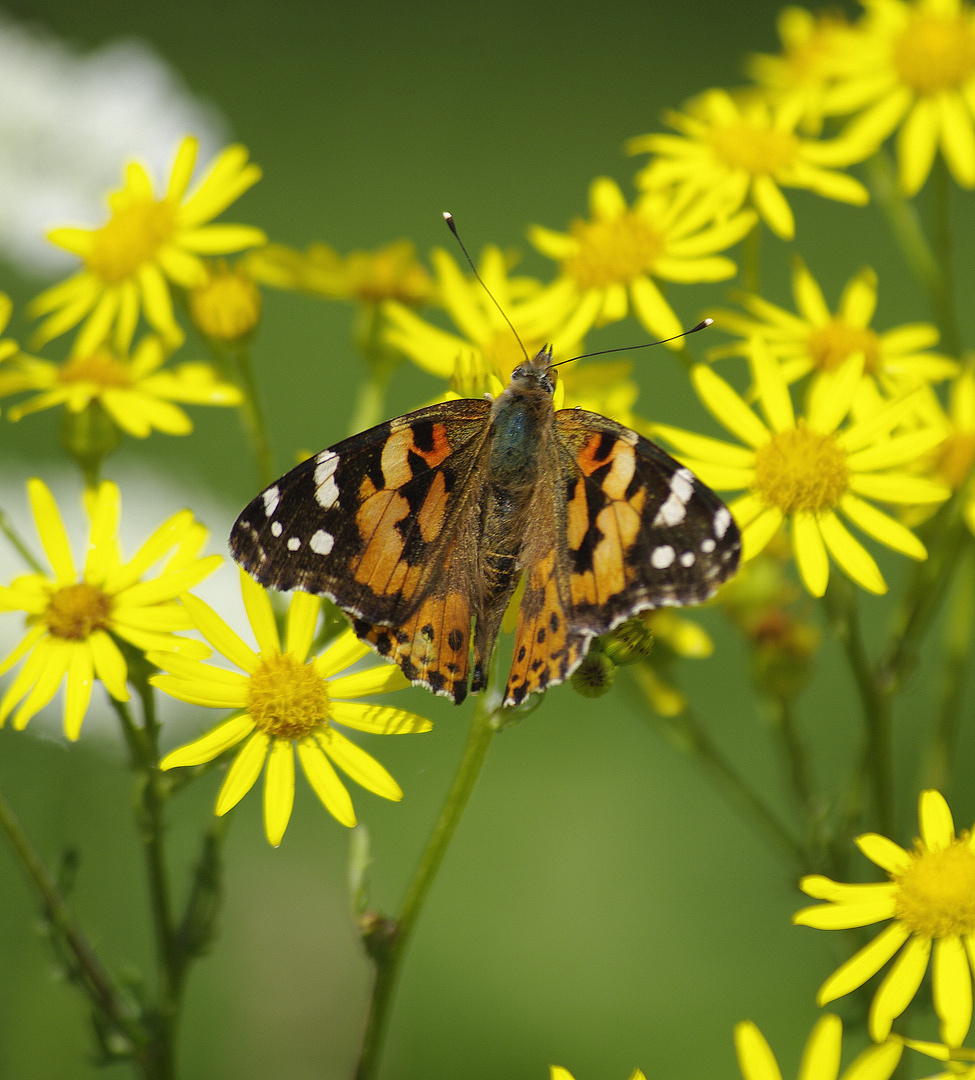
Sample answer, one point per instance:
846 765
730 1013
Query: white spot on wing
321 542
271 499
687 559
276 528
662 557
707 546
671 512
722 519
326 490
294 543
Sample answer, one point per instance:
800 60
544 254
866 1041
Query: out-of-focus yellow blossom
227 305
731 152
821 1056
816 48
914 71
391 272
556 1072
610 261
805 469
72 618
8 347
285 704
135 393
931 899
147 242
959 1059
819 341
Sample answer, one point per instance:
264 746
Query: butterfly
421 528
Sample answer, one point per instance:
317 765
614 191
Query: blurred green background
601 907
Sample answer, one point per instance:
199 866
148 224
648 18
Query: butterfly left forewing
633 530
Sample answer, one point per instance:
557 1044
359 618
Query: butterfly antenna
449 218
703 325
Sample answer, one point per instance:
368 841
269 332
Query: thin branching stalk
380 363
751 259
795 757
17 543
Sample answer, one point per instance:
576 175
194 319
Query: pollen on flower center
800 469
287 699
76 611
955 458
936 53
756 150
831 344
98 367
936 894
612 252
130 239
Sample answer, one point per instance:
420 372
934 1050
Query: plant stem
944 300
8 530
88 969
841 606
380 360
751 263
250 409
388 950
797 764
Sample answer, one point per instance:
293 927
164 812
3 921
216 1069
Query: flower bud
227 306
594 676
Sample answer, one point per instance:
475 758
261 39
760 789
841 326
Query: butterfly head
536 373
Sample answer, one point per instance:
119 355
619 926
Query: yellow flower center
831 344
936 52
799 469
130 239
76 611
287 699
99 367
955 458
936 894
756 150
613 252
227 306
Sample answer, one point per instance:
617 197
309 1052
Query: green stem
944 301
841 606
86 967
389 949
380 360
957 653
796 761
250 409
14 538
751 261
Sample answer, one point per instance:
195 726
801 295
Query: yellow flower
915 71
958 1059
8 347
286 703
806 469
820 1057
391 272
134 392
611 260
72 619
728 152
953 458
227 305
931 899
816 48
145 241
488 349
816 340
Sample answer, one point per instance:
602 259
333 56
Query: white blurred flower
68 123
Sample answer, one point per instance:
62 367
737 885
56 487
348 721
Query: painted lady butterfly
424 525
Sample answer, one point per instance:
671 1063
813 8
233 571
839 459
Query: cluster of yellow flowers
837 417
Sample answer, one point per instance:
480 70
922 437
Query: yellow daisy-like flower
286 703
610 261
931 899
915 70
821 1055
817 340
8 347
731 152
805 468
134 392
392 272
227 305
816 48
146 241
72 618
487 348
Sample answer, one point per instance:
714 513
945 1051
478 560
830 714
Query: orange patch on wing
577 516
621 471
434 508
395 458
377 519
583 588
441 447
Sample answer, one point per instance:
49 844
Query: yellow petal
377 680
882 527
951 985
243 773
899 987
843 916
957 139
885 853
937 826
853 558
895 451
182 170
606 201
109 664
342 653
771 387
875 1063
211 695
859 299
810 552
824 888
156 302
103 540
78 695
211 745
654 312
279 790
864 964
260 614
378 719
898 488
773 206
755 1057
809 296
57 660
704 448
165 537
302 620
727 407
360 766
31 638
219 634
757 534
746 508
821 1054
325 782
50 530
98 324
832 395
917 142
222 239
